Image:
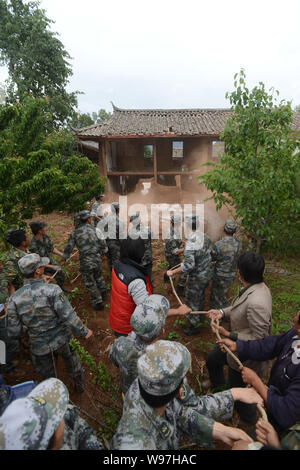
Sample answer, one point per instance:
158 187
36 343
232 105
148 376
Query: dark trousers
215 362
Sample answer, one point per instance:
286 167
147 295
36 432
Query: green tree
40 171
256 175
37 61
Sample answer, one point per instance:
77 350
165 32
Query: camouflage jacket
226 252
97 209
143 232
44 248
78 435
197 253
47 314
142 428
124 354
172 244
88 244
10 273
113 228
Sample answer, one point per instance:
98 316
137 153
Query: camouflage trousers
220 286
46 365
195 295
113 254
94 282
11 347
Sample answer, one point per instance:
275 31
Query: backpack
10 393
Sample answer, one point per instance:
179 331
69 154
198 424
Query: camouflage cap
191 219
115 206
163 366
36 226
84 215
29 263
134 216
148 318
230 226
29 423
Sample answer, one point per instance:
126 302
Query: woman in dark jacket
282 394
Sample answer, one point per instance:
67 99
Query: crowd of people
159 405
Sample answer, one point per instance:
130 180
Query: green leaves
40 171
257 174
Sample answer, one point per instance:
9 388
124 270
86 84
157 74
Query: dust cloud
148 192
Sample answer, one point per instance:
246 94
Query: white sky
174 53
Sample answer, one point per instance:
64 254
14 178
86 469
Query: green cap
163 366
230 226
29 263
29 423
148 318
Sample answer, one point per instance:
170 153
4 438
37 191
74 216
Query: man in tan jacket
250 318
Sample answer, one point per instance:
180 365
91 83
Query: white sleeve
137 290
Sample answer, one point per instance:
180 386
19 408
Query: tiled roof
163 122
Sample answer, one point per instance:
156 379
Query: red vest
121 303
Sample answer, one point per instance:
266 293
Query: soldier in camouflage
113 229
11 279
45 420
42 245
50 321
173 248
160 407
198 264
225 253
138 230
90 248
97 209
147 322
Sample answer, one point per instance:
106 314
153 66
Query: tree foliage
88 119
257 174
40 171
37 61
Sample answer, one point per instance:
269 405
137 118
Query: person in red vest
130 286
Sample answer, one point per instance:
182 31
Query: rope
259 407
176 295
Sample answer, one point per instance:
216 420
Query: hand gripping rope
259 407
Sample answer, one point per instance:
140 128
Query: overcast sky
175 53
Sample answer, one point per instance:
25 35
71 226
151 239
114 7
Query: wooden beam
155 162
130 173
103 153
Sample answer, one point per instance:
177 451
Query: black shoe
99 306
192 331
104 294
180 291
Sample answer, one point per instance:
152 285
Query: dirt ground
99 407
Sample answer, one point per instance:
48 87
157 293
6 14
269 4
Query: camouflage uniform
198 264
90 247
45 248
50 321
96 210
112 227
10 275
225 253
141 231
29 423
172 245
147 321
160 371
